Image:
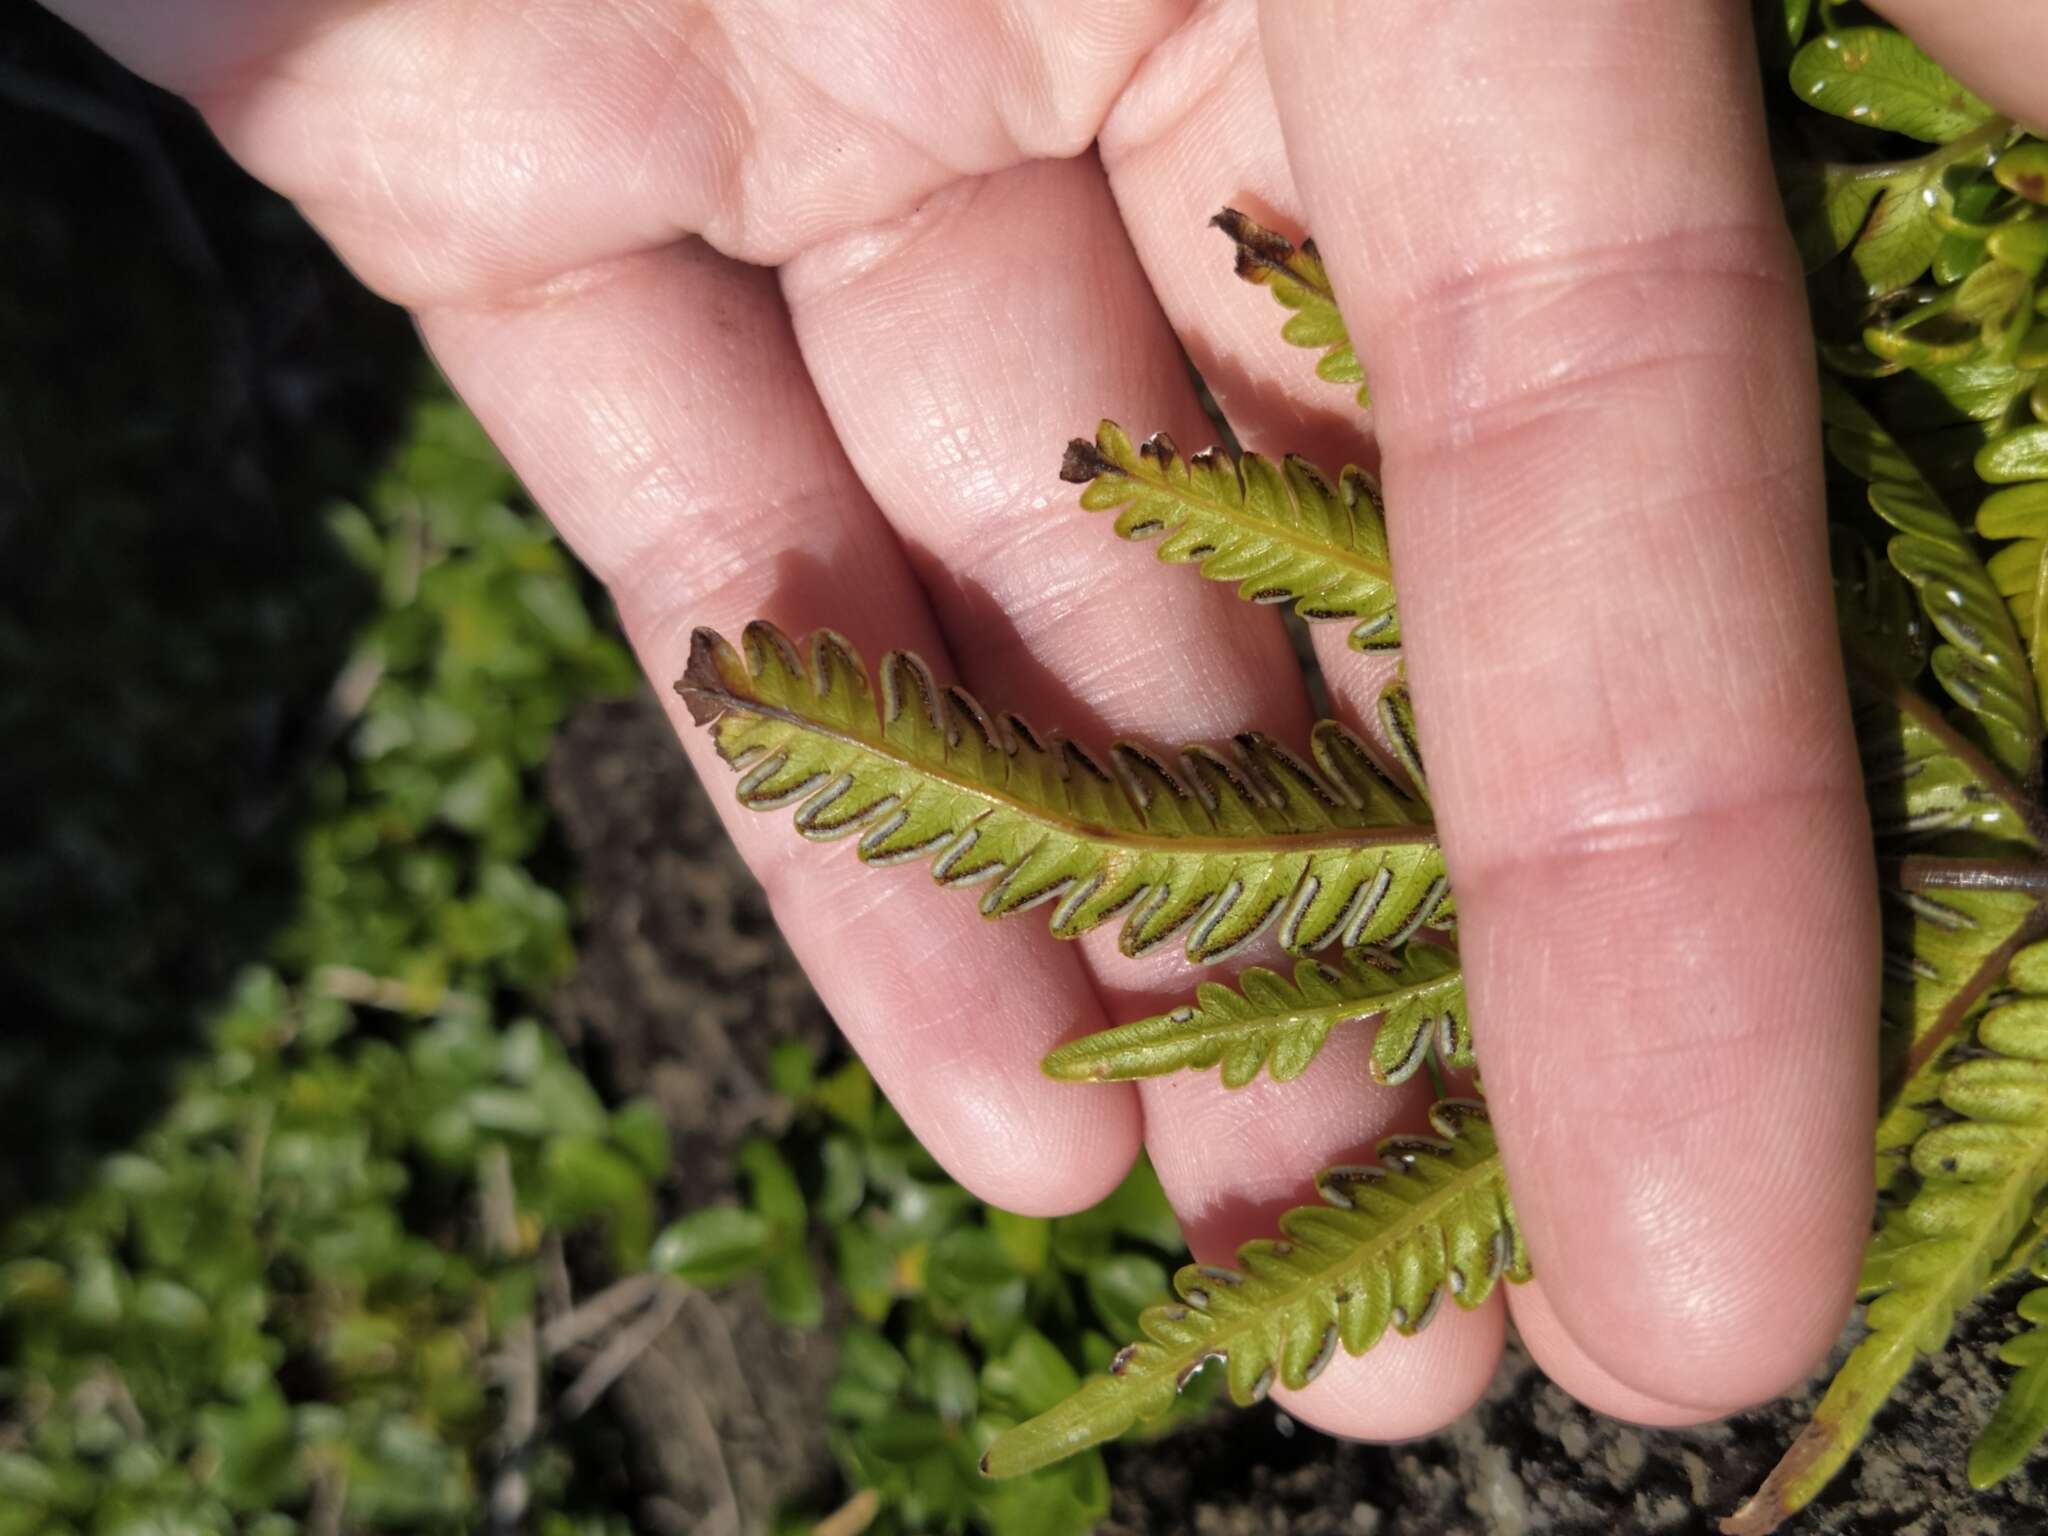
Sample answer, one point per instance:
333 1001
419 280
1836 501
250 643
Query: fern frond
2020 1421
1929 786
1233 842
1265 1020
1982 662
2016 462
1944 952
1295 277
1933 791
1282 532
1981 1175
1431 1217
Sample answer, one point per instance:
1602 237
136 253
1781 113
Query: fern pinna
1926 282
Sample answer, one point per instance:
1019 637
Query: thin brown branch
520 1359
852 1517
1982 980
613 1304
620 1355
1927 872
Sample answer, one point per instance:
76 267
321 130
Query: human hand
1556 240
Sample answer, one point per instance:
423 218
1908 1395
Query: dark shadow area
187 377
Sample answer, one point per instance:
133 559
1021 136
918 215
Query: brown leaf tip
701 685
1259 249
1083 462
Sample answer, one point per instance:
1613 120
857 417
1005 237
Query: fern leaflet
1981 1174
2021 1419
2017 462
1295 277
1431 1217
1282 532
1265 1020
1982 663
1236 841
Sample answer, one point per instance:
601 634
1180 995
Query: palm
866 439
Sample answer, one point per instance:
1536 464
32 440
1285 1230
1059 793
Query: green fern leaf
1981 1174
2016 461
1931 793
1982 663
1431 1218
1880 78
1929 786
2021 1419
1944 951
1332 852
1265 1020
1295 277
1280 531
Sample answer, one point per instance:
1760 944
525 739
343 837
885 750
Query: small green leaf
584 1179
1120 1287
789 1283
1880 78
843 1180
968 1271
872 1371
1137 1208
1796 14
169 1307
867 1271
2012 457
793 1070
848 1096
906 1435
639 1131
1026 1240
713 1246
776 1196
1030 1376
942 1376
2023 169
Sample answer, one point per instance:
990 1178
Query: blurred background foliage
308 1222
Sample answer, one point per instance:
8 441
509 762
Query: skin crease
1557 244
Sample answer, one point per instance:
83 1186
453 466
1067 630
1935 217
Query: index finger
1555 234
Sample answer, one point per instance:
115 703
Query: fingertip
1561 1358
1033 1152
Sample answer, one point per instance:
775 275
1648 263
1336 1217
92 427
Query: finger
1557 1353
1996 46
659 411
956 351
1590 362
1196 132
1169 166
451 155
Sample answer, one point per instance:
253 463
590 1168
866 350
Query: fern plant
1932 316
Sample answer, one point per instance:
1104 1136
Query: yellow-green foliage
1231 844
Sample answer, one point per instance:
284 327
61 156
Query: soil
685 987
